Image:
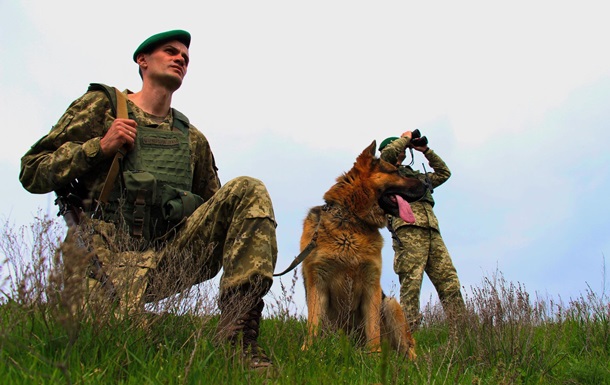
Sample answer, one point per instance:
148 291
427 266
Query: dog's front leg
317 302
372 319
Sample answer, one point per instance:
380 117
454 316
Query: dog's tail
395 328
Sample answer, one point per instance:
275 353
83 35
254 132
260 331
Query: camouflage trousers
423 250
233 231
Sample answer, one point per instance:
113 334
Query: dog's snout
417 190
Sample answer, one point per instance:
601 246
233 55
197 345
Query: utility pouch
177 204
140 190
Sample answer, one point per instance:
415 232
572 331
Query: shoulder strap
110 93
121 107
120 104
181 122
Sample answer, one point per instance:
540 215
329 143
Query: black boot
239 324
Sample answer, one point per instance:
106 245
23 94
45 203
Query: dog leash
299 258
393 232
306 251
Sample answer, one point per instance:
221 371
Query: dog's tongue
404 210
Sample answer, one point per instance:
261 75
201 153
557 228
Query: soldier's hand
421 148
407 134
121 133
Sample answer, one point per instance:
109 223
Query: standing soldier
164 223
419 247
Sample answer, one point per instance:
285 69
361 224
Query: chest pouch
140 192
177 204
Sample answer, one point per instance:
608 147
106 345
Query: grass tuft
506 337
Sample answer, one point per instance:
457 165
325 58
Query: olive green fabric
139 201
154 41
387 141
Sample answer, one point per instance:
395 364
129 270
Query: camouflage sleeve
391 151
441 171
205 173
71 148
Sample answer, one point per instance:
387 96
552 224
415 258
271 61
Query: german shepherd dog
343 271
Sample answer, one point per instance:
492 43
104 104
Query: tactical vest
153 191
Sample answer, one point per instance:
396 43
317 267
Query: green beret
387 141
156 40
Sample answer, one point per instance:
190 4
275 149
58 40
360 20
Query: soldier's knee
245 183
247 186
450 291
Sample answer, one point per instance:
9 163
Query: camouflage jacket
422 209
71 150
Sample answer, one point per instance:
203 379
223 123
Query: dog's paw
375 349
411 355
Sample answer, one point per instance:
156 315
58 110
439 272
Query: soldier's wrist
93 150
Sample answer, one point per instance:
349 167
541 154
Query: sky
512 95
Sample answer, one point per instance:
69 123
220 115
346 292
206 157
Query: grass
506 338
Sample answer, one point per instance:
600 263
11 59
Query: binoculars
417 140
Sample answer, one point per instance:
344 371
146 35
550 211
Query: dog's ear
367 156
372 148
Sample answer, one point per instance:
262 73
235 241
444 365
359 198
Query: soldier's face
167 64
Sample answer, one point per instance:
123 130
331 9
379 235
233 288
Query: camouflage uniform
234 229
419 247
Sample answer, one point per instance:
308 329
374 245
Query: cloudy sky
514 97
